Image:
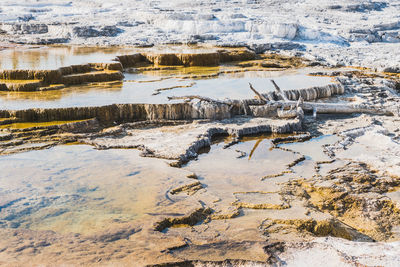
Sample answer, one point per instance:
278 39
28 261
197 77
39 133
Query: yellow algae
318 227
180 70
19 81
288 60
52 95
5 119
358 68
24 125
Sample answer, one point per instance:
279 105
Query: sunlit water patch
53 57
79 189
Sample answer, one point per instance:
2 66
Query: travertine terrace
199 134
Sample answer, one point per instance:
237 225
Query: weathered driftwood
322 108
262 107
286 114
260 96
300 111
333 108
325 108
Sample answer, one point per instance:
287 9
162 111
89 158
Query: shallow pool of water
48 57
241 168
313 149
75 188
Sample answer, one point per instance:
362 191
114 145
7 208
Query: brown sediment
236 55
193 218
330 227
107 66
35 125
248 205
128 61
192 176
297 161
189 189
172 59
89 77
42 80
197 59
276 175
285 60
187 59
355 195
226 216
291 139
273 61
48 76
4 121
20 85
75 69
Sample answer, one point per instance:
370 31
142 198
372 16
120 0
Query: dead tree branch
279 91
260 96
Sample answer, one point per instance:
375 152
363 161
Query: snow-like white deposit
333 252
350 32
373 146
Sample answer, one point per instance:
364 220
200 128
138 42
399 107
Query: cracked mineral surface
167 156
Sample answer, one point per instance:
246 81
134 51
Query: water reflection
53 57
48 57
